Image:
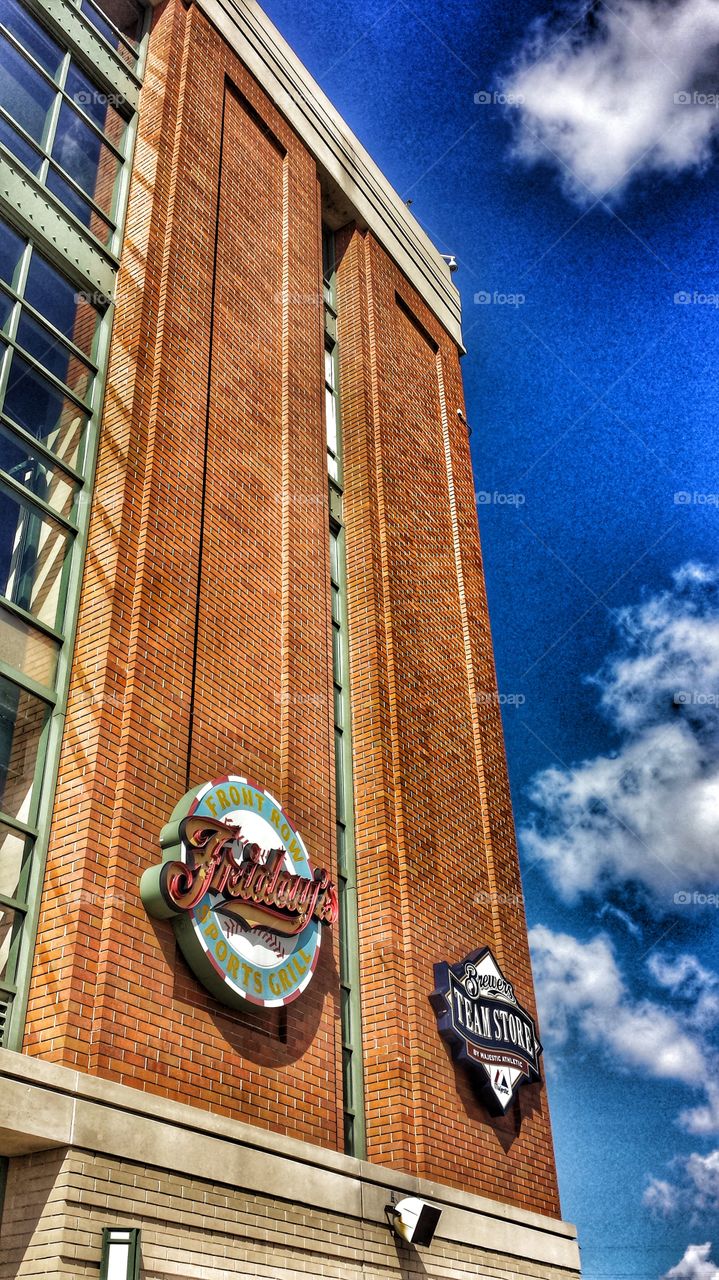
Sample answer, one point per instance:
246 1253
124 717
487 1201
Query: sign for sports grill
479 1015
247 907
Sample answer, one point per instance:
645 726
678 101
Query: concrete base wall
58 1202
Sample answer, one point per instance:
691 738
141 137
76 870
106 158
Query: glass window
31 36
78 206
10 924
42 409
24 93
124 15
28 650
32 555
66 307
22 719
85 158
20 147
43 344
11 247
15 850
96 104
6 309
36 473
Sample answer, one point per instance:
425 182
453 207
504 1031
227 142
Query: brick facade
204 647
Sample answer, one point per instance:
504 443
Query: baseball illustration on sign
479 1016
247 908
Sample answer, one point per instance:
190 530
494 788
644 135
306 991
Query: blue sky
593 402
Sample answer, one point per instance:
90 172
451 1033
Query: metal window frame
59 237
353 1109
133 1261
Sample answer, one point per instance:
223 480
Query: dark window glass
44 346
38 475
68 308
88 161
22 717
24 94
6 306
35 404
96 104
32 555
31 36
126 15
19 146
11 247
76 203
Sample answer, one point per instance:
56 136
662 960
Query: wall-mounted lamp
120 1259
414 1220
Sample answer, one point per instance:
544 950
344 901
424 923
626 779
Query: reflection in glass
15 850
31 36
28 650
31 469
50 351
38 406
24 93
22 718
32 555
87 160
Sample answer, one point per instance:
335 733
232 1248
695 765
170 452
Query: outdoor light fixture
120 1253
414 1220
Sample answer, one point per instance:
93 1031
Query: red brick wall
438 871
204 646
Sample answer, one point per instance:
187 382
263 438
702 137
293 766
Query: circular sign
247 907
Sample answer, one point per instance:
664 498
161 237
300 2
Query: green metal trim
21 827
63 238
24 615
32 500
27 683
133 1260
79 257
70 26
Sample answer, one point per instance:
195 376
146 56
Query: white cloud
648 813
695 1188
599 97
580 989
661 1198
695 1265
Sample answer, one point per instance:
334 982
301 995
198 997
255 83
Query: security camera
414 1220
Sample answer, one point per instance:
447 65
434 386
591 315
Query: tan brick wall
58 1202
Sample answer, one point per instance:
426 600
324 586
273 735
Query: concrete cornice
355 187
43 1105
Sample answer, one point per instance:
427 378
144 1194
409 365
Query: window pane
11 247
24 94
15 851
57 298
87 160
38 406
44 346
27 649
96 104
22 718
32 555
38 475
6 309
31 36
78 205
20 148
10 924
125 14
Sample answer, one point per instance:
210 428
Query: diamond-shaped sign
479 1015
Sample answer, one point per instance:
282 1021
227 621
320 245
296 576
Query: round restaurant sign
248 909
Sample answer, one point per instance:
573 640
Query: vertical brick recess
204 647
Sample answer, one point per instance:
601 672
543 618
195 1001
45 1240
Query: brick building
243 606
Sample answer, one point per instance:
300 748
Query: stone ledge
43 1105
